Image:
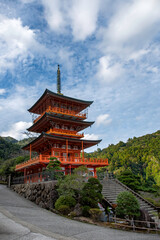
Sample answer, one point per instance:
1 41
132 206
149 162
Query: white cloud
17 130
15 41
91 136
54 15
2 91
27 1
103 119
84 14
81 16
108 71
13 107
134 19
138 54
153 69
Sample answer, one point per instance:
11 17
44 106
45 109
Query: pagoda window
65 127
63 146
56 154
76 154
56 145
72 129
69 147
75 147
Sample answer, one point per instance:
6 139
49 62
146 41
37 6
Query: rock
77 210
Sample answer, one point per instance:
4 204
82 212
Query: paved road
22 218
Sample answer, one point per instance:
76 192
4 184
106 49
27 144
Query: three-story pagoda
59 121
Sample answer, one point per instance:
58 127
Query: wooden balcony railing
64 160
63 111
65 132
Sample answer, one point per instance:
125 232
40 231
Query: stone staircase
112 187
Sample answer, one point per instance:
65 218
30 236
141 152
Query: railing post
67 148
82 151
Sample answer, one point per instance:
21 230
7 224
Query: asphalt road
23 220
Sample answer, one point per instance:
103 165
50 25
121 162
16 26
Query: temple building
59 120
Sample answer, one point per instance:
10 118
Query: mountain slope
141 155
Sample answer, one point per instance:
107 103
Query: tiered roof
49 95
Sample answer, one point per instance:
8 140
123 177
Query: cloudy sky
108 51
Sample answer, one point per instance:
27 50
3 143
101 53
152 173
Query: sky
108 52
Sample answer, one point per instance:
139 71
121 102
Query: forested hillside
8 149
11 154
141 155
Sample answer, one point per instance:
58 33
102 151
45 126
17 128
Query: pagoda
59 120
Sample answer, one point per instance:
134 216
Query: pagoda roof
47 93
37 143
42 122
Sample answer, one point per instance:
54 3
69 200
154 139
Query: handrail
66 132
62 111
65 160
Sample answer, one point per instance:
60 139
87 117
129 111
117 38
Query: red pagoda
59 121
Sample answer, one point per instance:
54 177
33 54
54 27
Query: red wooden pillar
67 148
65 170
82 151
30 151
41 177
40 157
70 168
95 172
25 175
52 152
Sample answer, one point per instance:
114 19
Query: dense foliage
8 149
131 180
75 188
127 205
71 185
65 200
11 154
140 155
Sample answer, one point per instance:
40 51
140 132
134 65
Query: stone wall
43 194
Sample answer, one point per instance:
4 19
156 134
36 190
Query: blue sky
108 51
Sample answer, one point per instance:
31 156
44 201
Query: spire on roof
58 81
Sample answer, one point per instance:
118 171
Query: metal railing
39 177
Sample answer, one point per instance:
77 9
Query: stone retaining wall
43 194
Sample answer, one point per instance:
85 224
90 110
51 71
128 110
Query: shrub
85 211
89 202
72 214
65 200
127 205
71 185
91 193
95 213
64 209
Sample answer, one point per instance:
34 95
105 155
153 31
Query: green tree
127 205
72 184
54 168
91 193
129 179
